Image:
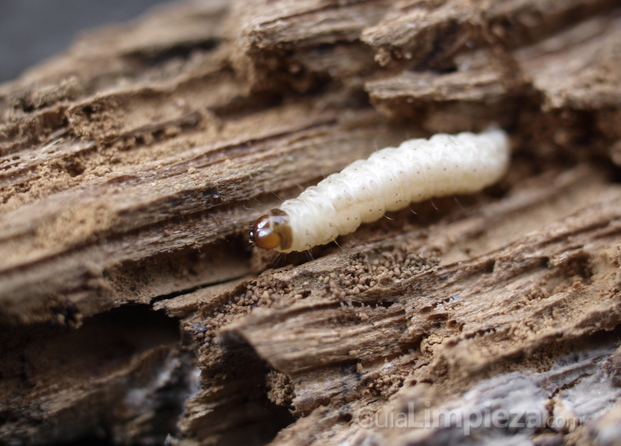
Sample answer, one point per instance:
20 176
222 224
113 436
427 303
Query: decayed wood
133 164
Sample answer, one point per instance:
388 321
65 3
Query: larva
388 180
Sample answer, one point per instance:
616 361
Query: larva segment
388 180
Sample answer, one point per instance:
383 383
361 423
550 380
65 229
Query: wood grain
134 310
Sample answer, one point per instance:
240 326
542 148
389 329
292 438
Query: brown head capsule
272 231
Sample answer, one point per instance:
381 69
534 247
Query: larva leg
390 179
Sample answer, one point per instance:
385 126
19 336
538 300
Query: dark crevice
260 433
190 290
130 355
257 419
183 50
102 439
243 106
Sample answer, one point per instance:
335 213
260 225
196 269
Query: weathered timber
134 310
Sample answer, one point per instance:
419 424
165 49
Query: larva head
272 231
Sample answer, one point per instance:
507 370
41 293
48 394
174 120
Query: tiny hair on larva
389 180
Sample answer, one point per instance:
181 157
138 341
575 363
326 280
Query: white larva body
392 178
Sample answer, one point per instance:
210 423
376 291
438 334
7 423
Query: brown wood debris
134 310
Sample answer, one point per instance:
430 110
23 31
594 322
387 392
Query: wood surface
133 309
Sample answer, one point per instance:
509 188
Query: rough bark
133 308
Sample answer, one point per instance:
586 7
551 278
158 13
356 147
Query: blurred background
34 30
